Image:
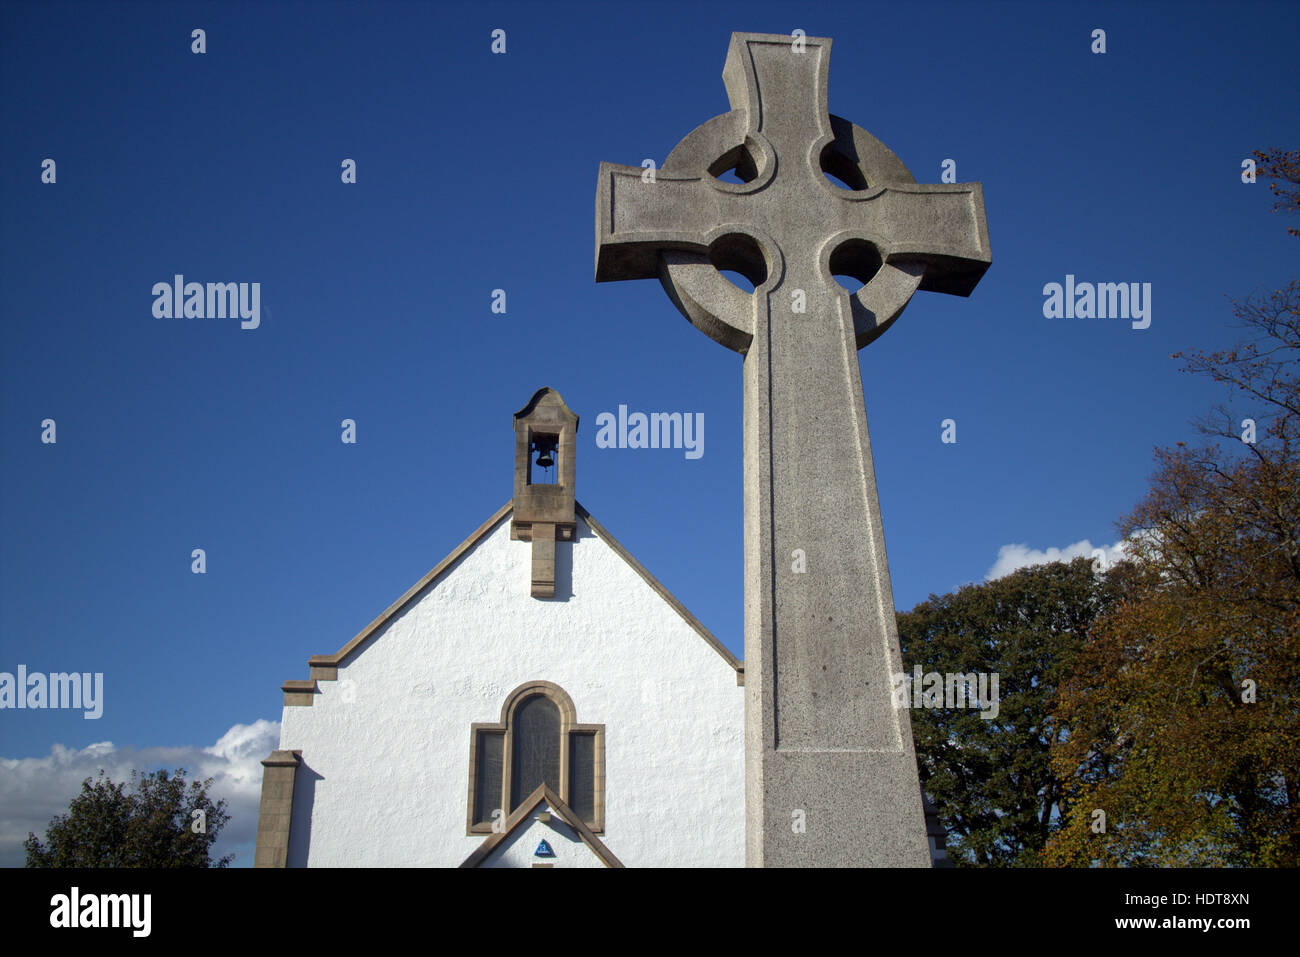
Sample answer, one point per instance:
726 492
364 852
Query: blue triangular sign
543 850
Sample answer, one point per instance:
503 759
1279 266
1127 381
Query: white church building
538 699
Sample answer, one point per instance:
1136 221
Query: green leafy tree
991 778
157 822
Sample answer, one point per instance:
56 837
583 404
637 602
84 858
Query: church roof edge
325 663
523 813
663 592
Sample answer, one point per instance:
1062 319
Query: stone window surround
568 726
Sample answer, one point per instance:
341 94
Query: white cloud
35 790
1014 557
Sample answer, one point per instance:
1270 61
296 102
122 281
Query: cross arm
636 220
942 226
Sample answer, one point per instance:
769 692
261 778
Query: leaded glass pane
582 775
487 790
536 748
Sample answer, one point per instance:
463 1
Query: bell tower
545 440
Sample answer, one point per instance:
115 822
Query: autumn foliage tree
1184 705
1184 708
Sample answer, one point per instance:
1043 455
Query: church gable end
608 693
325 667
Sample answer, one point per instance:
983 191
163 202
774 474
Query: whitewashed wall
384 779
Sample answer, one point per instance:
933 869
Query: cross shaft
824 745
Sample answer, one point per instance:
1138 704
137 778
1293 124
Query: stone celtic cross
831 775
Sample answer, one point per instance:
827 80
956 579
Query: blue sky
477 172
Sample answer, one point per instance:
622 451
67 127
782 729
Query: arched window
535 757
538 740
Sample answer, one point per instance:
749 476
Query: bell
544 459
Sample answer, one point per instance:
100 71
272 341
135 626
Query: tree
1185 703
1282 168
991 777
157 823
1184 707
1262 371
